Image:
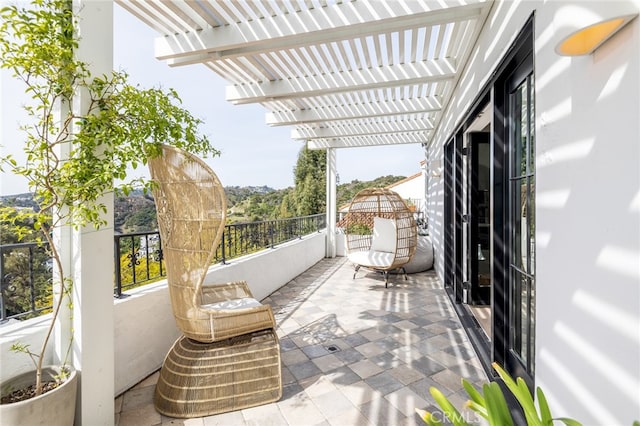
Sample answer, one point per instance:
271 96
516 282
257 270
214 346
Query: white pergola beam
393 76
339 112
311 27
371 140
362 129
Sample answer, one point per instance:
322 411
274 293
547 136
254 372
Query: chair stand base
202 379
385 272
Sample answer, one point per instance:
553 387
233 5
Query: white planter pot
56 407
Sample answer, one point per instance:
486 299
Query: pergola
340 73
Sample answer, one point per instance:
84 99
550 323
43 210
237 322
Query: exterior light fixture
586 40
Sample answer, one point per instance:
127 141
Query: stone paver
353 353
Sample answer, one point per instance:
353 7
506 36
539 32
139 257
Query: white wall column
92 250
332 172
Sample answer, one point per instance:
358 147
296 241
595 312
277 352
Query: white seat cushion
243 303
372 259
384 235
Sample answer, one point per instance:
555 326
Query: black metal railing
138 260
140 254
26 272
25 280
246 238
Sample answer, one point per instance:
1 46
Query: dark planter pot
56 407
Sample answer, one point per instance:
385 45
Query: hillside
136 212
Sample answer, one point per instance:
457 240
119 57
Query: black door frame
496 91
478 295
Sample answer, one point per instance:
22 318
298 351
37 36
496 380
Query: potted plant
73 157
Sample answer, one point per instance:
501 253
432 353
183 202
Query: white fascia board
311 27
393 76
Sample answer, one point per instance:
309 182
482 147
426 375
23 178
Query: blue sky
252 152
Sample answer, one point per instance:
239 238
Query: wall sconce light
587 39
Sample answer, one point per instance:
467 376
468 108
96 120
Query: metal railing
25 280
25 268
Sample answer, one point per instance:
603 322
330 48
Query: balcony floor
353 353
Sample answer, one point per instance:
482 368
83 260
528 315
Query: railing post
222 245
3 310
271 244
116 251
160 255
32 285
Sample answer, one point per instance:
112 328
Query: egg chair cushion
384 235
372 259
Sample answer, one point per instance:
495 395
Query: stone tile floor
353 353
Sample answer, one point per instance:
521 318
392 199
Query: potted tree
73 157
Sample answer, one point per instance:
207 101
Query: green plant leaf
497 409
480 409
526 400
472 392
428 418
454 415
522 395
545 412
571 422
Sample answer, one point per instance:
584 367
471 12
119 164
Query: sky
252 153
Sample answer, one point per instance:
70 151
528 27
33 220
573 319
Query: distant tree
22 264
143 219
288 205
346 191
309 178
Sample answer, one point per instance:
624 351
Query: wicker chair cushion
243 303
384 235
372 259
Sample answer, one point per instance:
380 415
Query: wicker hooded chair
220 322
381 231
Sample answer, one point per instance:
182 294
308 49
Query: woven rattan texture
201 379
384 203
191 206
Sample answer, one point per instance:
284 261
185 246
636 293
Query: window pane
532 321
532 128
519 240
531 211
525 307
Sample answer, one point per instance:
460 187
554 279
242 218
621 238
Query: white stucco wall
413 189
588 219
588 204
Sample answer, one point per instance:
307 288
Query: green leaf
545 412
454 415
480 409
571 422
528 408
497 409
428 418
472 392
526 401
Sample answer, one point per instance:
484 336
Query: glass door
521 291
479 219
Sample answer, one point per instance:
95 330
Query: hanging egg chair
381 232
